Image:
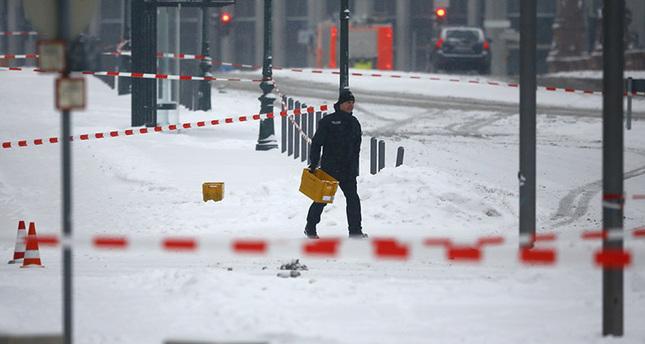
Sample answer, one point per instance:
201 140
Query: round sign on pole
43 15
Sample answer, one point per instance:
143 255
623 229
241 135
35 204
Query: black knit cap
345 96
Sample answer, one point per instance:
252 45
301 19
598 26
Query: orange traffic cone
32 256
19 250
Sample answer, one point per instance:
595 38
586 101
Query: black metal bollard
296 133
290 130
311 123
399 156
373 154
303 140
381 155
283 126
319 116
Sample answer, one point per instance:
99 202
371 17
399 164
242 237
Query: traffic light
440 14
225 21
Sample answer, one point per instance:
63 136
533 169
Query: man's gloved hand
312 168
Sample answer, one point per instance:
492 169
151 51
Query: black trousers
353 207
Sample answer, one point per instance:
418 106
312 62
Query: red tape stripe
493 240
179 244
437 242
612 197
48 240
322 247
112 242
390 248
594 235
639 233
466 253
250 246
538 256
613 258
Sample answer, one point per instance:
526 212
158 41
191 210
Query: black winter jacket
339 134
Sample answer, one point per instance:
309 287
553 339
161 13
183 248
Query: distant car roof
479 31
462 28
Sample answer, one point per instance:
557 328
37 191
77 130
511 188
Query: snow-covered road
458 180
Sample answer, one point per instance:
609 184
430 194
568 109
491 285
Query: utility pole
64 34
344 45
266 138
526 175
612 162
204 103
124 59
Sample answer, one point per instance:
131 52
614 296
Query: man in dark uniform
339 134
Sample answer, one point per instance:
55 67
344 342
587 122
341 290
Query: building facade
297 27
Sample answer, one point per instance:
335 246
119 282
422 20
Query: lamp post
266 138
344 44
204 103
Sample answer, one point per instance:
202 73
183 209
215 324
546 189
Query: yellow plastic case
319 186
213 191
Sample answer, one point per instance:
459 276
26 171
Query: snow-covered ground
459 180
595 74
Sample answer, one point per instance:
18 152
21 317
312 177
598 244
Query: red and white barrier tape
143 75
302 132
182 56
142 131
493 248
18 33
375 75
18 56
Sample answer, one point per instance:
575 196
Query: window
245 8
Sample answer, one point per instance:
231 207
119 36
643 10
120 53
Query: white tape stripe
612 205
18 33
615 234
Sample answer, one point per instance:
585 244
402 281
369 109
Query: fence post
303 141
628 117
311 133
319 116
296 133
283 126
373 149
399 156
290 130
381 155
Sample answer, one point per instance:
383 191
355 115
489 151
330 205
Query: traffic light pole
266 137
612 162
344 45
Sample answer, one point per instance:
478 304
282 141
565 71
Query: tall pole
124 60
205 65
266 138
64 34
344 44
526 175
612 162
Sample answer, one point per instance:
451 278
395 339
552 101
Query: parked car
463 48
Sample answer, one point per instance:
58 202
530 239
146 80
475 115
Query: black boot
359 235
310 232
